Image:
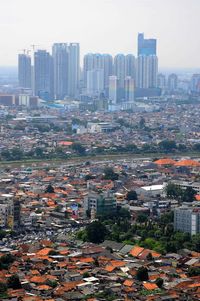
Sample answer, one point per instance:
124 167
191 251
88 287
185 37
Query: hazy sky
108 26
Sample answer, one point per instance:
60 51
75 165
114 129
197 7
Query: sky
104 26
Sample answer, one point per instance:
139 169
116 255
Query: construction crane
33 46
24 50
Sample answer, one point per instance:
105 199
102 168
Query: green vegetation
142 274
159 282
157 235
96 232
183 195
109 174
14 282
131 195
49 189
6 261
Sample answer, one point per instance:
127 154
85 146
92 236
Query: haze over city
106 26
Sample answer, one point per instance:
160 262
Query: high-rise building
74 69
147 70
120 71
147 63
129 89
187 219
130 65
60 65
24 71
172 82
146 46
43 73
95 82
161 81
195 83
142 79
153 70
97 61
114 89
88 64
107 68
119 68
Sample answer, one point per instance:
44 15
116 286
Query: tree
39 152
167 145
194 271
2 234
142 274
174 191
96 232
142 123
159 282
5 154
14 282
149 257
49 189
78 148
52 283
109 174
131 195
16 153
196 242
142 218
189 195
3 287
89 177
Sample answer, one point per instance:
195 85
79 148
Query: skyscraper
107 68
130 65
146 46
95 82
114 89
195 83
24 71
129 89
153 70
119 71
74 69
172 82
147 63
43 67
60 65
88 64
161 81
142 79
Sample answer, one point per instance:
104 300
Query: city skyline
94 25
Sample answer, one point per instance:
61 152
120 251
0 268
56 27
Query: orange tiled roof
44 252
150 286
165 161
189 163
197 197
38 279
194 285
86 260
128 282
109 268
118 263
43 287
65 143
136 251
